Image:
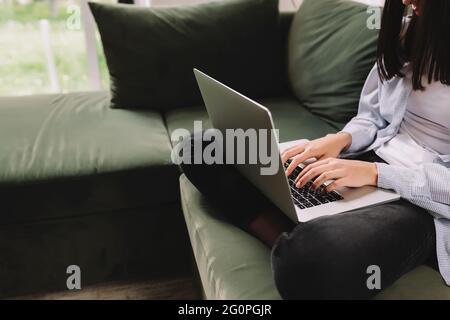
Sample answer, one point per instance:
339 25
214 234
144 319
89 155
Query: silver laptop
229 109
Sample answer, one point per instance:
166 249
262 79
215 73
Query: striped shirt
381 112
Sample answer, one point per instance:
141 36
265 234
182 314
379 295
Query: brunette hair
425 43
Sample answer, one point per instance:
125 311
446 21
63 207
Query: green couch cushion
231 263
290 117
151 52
71 153
234 265
331 52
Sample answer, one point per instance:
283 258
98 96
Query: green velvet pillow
151 52
331 52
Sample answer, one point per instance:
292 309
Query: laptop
228 109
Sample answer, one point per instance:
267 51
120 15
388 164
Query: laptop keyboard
306 198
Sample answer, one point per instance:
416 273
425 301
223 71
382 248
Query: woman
399 140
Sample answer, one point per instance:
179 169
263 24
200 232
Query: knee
315 262
295 268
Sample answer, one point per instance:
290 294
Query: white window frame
91 46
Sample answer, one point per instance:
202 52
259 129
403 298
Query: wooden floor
179 288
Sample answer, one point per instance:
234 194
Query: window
42 47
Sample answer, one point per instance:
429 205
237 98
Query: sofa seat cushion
231 263
234 265
71 153
290 117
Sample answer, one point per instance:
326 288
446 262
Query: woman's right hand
329 146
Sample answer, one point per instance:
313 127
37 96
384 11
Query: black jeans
328 257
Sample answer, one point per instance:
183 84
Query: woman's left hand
345 173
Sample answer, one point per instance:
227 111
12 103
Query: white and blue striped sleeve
365 125
427 186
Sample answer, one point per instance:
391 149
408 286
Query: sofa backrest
330 53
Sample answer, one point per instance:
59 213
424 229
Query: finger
326 157
307 154
291 152
310 167
339 183
285 151
294 164
327 175
313 173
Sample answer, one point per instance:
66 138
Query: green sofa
85 184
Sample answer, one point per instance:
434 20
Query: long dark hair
425 44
